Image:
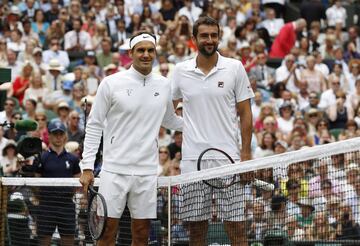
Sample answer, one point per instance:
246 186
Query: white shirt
71 39
327 99
282 73
192 14
61 56
273 26
334 13
209 105
134 107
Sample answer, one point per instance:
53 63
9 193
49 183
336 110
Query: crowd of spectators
305 74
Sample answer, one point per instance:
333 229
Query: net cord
316 152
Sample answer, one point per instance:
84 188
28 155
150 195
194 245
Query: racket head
220 182
97 213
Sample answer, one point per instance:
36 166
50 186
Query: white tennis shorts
139 192
200 202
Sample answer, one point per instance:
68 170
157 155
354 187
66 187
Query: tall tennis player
215 90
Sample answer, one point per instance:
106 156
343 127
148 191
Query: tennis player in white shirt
215 90
134 104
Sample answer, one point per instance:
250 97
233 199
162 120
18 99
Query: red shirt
18 83
284 42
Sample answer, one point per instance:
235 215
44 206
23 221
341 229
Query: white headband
142 37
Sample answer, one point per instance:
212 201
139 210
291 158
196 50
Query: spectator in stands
294 172
285 119
54 11
53 78
351 52
336 12
74 133
62 111
271 23
164 162
41 119
314 77
36 90
293 188
104 57
38 64
266 146
264 74
340 112
347 228
8 162
30 109
278 214
286 39
56 205
30 10
15 43
328 97
288 74
323 178
306 217
77 40
22 82
12 63
63 95
175 147
120 36
354 69
55 52
280 147
9 109
258 223
266 110
13 19
353 33
26 55
40 26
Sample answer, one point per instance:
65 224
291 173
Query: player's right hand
86 179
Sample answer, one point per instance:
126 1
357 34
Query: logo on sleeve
221 84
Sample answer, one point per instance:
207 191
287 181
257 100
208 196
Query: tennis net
305 197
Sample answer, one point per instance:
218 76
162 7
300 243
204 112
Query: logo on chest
221 84
156 94
67 164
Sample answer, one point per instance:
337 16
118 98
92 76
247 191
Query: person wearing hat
56 207
55 52
121 113
63 111
8 163
53 78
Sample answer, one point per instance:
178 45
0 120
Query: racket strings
96 216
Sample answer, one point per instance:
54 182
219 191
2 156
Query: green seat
336 132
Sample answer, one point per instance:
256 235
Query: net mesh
307 197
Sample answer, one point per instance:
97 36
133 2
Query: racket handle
263 185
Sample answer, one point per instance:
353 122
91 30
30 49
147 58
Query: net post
3 207
169 211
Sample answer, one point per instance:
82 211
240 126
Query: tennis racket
97 213
227 180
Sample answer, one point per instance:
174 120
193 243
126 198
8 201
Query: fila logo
156 94
221 84
129 91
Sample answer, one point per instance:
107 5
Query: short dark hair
204 20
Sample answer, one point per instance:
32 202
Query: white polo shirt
209 105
